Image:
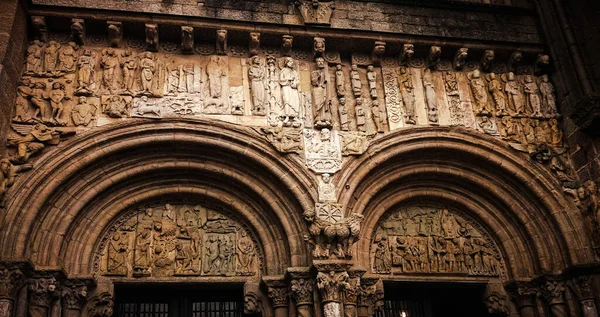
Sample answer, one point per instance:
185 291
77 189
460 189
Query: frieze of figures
320 106
177 240
422 240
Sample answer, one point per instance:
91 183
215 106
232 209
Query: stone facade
311 150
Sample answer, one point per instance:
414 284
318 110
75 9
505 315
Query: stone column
523 294
279 295
302 287
553 291
582 286
42 293
11 280
331 286
73 296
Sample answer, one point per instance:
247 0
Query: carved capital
582 286
42 291
74 295
523 293
331 285
333 238
101 305
553 290
278 291
11 280
497 305
302 291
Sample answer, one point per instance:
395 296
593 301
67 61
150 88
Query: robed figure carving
322 108
289 80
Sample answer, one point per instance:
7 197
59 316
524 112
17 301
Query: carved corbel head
318 47
39 28
286 45
115 33
221 42
253 304
254 44
497 305
187 39
377 54
542 63
152 37
460 58
486 60
433 57
408 51
78 31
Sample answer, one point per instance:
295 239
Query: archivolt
515 200
57 214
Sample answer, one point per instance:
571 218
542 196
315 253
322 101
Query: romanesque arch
59 217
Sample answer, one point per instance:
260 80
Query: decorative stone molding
316 11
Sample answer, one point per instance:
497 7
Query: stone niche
433 240
177 240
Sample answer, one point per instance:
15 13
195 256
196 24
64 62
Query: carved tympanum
177 240
423 240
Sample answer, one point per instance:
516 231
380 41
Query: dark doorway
433 300
177 300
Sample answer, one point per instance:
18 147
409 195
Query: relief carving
430 97
326 189
284 139
178 240
419 240
354 143
408 95
393 100
115 33
187 40
258 89
372 79
455 106
287 43
408 51
332 238
78 31
486 60
340 81
289 79
377 53
319 79
460 58
355 81
322 151
152 37
480 94
254 44
316 11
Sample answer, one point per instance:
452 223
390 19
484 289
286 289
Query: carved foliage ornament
424 240
177 240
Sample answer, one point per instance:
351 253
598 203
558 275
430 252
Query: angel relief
178 240
433 240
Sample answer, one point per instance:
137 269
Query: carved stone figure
495 88
408 51
151 37
487 125
548 98
187 39
83 113
344 117
257 75
378 116
67 58
408 96
118 249
246 254
457 115
116 107
173 74
418 240
147 67
215 72
109 63
532 92
142 108
326 189
322 106
340 81
480 94
57 95
254 44
515 59
285 140
38 99
289 80
51 57
8 174
221 46
361 115
115 33
322 151
85 75
460 58
431 97
22 105
372 79
39 28
377 53
318 47
516 100
34 58
129 63
542 63
354 143
355 81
